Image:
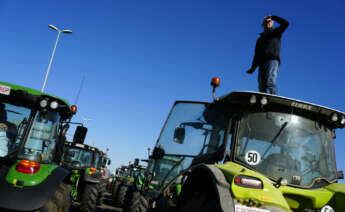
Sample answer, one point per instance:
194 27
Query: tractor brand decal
5 90
242 208
253 157
79 145
327 208
302 106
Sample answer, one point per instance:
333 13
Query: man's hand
268 17
251 70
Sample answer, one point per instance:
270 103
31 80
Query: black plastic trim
30 198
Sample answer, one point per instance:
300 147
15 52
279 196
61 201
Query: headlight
334 117
44 103
54 105
342 121
252 99
264 101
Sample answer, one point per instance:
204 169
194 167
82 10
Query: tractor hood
252 189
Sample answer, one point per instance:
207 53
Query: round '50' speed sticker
252 157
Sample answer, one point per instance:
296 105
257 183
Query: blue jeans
267 77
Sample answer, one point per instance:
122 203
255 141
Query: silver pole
50 62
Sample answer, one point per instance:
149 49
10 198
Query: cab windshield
13 120
164 170
96 162
128 172
137 172
81 158
286 146
40 145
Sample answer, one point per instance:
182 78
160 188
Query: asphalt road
105 207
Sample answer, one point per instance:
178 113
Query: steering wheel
76 163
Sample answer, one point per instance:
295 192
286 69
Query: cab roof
27 97
255 101
82 146
31 91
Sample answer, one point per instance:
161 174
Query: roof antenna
78 94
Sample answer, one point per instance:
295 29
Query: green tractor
245 151
119 176
138 176
32 135
102 167
85 178
112 179
122 185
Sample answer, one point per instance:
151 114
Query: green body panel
87 170
339 197
285 197
269 195
141 180
74 186
75 178
14 176
178 189
30 91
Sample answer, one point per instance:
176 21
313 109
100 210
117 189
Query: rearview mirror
179 135
79 135
136 162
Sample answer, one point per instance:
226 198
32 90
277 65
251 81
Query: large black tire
60 202
134 201
110 185
89 198
115 190
101 192
199 201
120 198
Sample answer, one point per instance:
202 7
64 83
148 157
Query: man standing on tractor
267 53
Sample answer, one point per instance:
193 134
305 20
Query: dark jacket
268 44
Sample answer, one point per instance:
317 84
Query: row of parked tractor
244 151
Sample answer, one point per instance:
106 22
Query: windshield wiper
15 112
320 182
275 138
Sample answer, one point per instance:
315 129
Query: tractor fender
210 173
15 198
94 178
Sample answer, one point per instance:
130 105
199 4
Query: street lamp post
67 31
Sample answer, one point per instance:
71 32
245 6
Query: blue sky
139 56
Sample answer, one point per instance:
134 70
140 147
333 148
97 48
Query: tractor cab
286 140
81 156
31 123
